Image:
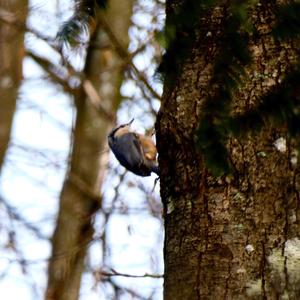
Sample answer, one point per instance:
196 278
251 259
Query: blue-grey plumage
135 152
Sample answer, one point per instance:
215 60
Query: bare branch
121 50
112 272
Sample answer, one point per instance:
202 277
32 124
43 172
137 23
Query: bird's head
121 129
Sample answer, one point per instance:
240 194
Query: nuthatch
136 152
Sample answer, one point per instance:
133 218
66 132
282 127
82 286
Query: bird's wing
128 150
139 147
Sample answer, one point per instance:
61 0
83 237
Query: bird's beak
128 124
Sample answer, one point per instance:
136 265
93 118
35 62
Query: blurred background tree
12 54
73 93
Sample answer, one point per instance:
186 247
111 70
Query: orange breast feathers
148 147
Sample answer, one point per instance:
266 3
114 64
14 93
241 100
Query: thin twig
95 99
83 187
115 273
121 50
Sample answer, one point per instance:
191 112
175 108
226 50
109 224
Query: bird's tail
155 169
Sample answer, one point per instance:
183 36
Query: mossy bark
228 237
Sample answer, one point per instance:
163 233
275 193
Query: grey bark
228 237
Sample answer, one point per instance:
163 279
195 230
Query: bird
136 152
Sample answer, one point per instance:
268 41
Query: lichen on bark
221 232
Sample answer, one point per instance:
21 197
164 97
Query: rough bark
11 58
80 197
228 238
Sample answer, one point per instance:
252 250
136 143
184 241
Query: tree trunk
229 237
12 52
80 197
